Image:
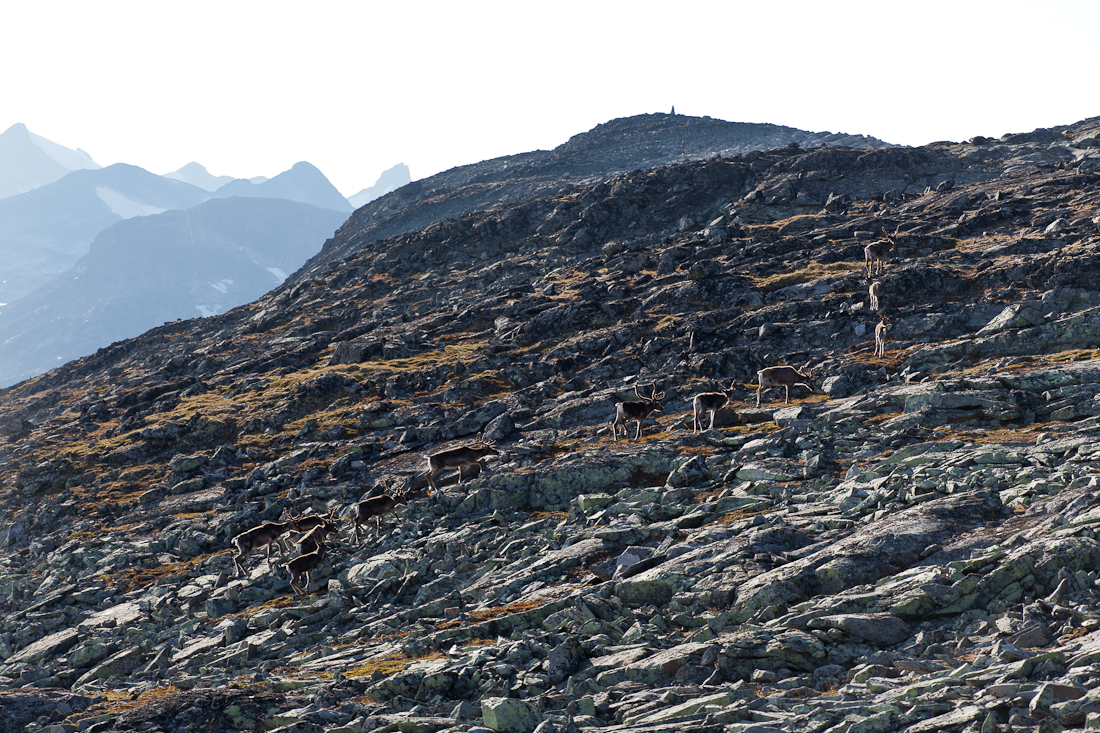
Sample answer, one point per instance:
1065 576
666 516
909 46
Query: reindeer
378 506
636 411
710 402
875 290
875 253
315 537
466 455
267 534
881 331
783 376
304 565
310 521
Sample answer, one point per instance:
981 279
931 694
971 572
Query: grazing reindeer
710 402
267 534
378 506
636 411
875 253
783 376
304 565
466 455
881 331
875 290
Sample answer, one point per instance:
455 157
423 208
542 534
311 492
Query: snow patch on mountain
124 207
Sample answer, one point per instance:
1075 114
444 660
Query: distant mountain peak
28 161
197 175
390 180
302 182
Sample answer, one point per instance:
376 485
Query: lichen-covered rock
507 715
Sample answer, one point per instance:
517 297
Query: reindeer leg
713 414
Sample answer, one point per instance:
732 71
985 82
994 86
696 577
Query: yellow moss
812 271
731 517
132 578
390 664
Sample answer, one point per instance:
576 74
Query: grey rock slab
119 664
868 554
880 629
508 715
199 646
123 614
680 663
89 652
955 718
47 647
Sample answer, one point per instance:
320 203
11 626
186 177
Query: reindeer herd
314 529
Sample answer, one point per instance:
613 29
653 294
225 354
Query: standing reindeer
310 521
378 506
783 376
875 253
466 455
305 565
881 331
267 534
875 291
710 402
315 537
636 411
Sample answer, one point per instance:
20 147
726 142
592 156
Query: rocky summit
908 544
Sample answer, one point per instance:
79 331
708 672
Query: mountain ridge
653 139
141 272
28 161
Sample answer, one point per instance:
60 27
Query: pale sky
249 88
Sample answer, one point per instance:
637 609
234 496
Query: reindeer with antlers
875 253
315 537
311 521
467 455
710 402
783 376
636 411
379 506
265 535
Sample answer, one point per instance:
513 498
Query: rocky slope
613 148
911 547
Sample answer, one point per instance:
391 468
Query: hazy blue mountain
303 183
390 180
197 175
43 232
144 271
28 161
